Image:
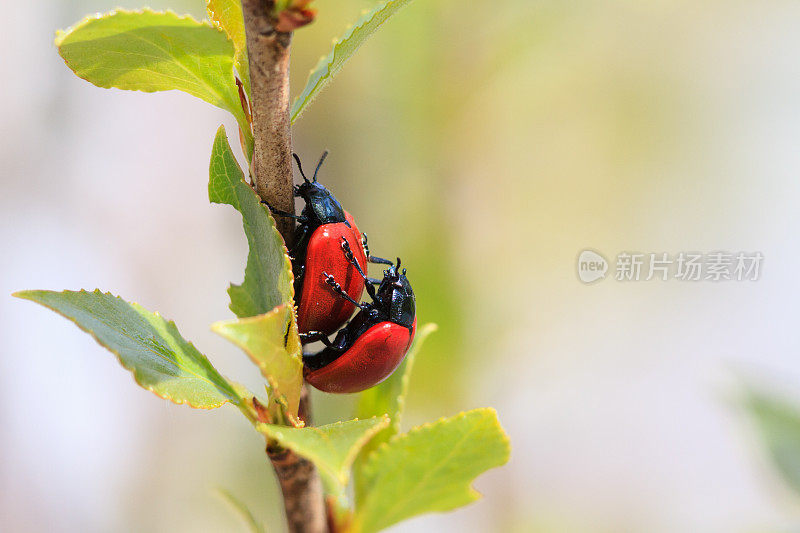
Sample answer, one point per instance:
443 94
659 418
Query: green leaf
343 49
227 14
268 280
271 342
243 511
429 469
151 347
155 51
778 425
331 448
388 398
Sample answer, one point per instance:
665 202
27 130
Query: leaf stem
271 167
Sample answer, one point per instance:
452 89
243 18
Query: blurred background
487 145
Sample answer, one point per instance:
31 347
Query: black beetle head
321 205
397 296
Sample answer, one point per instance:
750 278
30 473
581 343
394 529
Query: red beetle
319 308
372 345
317 249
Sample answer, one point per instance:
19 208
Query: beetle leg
364 244
275 211
379 260
348 253
340 291
315 361
368 282
371 258
313 336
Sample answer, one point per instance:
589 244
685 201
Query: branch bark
268 52
302 492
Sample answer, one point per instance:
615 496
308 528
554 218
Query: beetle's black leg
348 253
340 291
371 258
275 211
364 244
313 336
315 361
379 260
374 281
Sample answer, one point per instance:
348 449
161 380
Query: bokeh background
486 144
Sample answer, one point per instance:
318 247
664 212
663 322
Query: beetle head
323 206
397 296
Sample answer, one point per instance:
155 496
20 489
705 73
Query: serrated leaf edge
366 17
213 16
235 110
220 326
131 370
217 328
61 34
384 447
287 262
344 475
439 422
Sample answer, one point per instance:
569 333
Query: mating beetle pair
329 262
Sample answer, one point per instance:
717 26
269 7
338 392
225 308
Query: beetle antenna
321 159
300 167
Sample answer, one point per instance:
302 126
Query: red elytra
371 359
319 308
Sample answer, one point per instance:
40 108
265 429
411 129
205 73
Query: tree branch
302 492
268 52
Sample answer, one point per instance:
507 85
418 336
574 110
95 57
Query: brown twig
301 491
268 52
